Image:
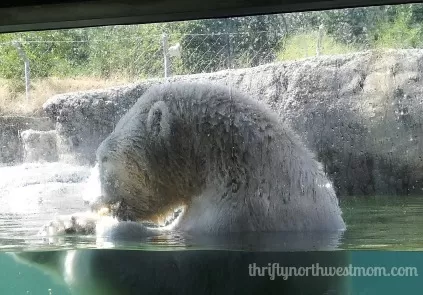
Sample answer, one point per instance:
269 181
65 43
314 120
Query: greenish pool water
383 223
16 278
383 232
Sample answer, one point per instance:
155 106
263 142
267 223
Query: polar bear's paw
79 224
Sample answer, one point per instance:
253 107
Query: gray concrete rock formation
360 113
39 146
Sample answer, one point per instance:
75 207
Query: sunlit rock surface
360 113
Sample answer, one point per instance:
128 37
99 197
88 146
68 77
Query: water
211 269
32 193
384 223
382 231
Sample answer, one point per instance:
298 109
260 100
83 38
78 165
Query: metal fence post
26 65
166 55
319 40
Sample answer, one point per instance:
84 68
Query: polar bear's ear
158 120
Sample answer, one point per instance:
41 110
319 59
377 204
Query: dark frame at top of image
51 14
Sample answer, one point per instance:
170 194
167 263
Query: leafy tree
207 45
401 29
215 44
133 51
45 50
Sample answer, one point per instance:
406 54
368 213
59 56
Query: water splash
92 187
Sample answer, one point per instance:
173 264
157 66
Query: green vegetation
209 45
350 30
401 32
305 45
128 53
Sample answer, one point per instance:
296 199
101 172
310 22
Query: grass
304 45
13 99
399 34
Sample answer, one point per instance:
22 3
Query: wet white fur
273 183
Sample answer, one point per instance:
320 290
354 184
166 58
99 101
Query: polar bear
225 158
233 167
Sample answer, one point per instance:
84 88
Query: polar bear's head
143 164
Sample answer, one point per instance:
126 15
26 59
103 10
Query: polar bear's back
256 168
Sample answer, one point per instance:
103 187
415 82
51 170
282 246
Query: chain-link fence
161 50
130 56
193 53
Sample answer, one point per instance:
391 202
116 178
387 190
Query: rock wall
39 146
360 113
11 148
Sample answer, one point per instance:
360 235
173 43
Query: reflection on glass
347 82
